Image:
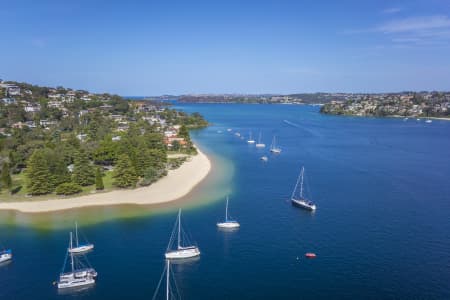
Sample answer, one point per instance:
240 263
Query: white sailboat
181 251
5 255
79 275
228 223
170 294
301 201
80 248
264 158
260 144
273 147
250 139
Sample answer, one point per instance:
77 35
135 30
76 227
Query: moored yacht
181 251
79 274
80 248
250 139
228 223
300 200
260 144
273 147
5 255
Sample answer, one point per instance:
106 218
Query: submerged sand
175 185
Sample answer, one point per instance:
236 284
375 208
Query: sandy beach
175 185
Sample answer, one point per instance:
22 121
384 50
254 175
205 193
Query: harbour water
381 229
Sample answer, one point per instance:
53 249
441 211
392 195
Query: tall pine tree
38 174
83 171
99 180
124 173
6 176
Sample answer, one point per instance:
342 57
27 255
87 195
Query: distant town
423 104
407 104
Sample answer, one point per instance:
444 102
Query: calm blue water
381 231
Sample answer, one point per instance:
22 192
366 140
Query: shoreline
387 117
177 184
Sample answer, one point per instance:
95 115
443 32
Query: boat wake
292 124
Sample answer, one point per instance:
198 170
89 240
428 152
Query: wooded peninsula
64 141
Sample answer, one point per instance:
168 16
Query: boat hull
76 283
78 278
5 256
232 224
260 145
81 249
303 204
275 151
183 253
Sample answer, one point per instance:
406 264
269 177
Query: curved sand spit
175 185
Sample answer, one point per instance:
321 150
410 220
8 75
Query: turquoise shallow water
381 231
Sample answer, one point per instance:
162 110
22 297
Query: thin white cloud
426 23
422 30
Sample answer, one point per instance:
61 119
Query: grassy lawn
22 194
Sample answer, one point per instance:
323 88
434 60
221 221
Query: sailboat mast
296 185
301 184
226 211
71 254
76 233
179 227
167 280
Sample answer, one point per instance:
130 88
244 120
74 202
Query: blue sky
174 47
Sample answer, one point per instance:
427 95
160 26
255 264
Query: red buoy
310 255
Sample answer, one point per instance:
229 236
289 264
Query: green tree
183 132
68 188
106 153
150 176
157 158
6 176
99 180
124 173
176 145
83 171
38 174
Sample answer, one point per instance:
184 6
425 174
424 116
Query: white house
9 101
32 108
